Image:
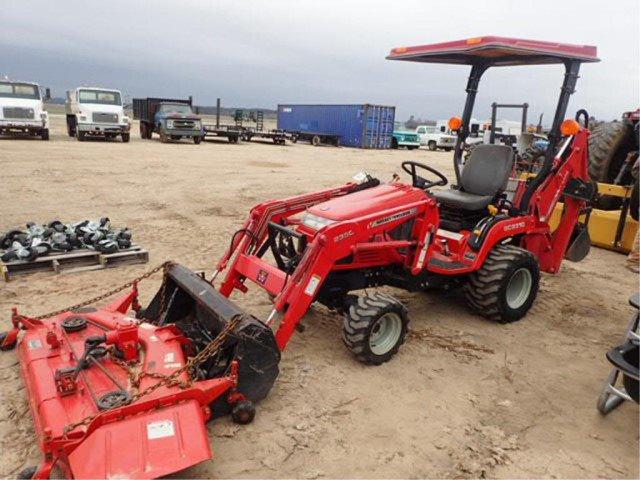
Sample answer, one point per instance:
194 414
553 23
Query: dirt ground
463 398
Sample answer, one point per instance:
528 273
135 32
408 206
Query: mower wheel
505 287
27 473
243 412
10 346
374 327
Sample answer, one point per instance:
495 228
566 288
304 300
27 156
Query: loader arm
254 231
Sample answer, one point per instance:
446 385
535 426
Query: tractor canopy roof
496 51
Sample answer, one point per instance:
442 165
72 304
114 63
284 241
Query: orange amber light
569 127
455 123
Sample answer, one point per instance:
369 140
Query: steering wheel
419 182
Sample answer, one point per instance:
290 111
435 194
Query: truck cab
170 119
96 112
436 136
22 109
177 120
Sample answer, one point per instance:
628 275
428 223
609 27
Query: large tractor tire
374 328
604 142
504 289
609 144
634 202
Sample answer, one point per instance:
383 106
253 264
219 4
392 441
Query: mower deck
84 371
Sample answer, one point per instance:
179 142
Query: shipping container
361 126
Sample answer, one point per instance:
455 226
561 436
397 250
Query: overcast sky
259 53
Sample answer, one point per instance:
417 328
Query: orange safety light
474 41
400 50
569 127
455 123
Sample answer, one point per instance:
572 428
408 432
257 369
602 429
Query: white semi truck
96 112
22 109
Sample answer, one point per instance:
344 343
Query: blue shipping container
361 126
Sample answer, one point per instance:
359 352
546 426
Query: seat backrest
487 169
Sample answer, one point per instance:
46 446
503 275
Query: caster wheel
243 412
7 347
27 473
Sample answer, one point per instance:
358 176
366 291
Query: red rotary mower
113 396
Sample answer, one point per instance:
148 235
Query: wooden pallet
75 261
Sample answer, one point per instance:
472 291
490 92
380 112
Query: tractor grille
183 123
105 118
17 112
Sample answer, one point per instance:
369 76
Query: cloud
260 53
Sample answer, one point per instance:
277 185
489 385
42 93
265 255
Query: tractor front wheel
374 328
505 287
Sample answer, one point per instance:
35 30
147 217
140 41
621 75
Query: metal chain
167 380
164 266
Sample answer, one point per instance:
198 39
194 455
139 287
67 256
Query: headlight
83 118
315 222
197 125
43 116
169 123
125 120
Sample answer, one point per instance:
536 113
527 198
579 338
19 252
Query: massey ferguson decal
391 218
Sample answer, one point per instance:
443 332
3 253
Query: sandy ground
469 398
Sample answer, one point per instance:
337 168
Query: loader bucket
201 312
579 245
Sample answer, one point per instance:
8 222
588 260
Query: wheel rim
519 288
385 333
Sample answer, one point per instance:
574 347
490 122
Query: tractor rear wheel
604 142
609 144
374 327
505 287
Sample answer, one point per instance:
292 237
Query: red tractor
488 234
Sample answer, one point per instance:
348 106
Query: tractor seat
485 173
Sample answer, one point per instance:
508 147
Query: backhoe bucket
201 312
579 245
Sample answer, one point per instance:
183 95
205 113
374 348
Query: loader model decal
514 226
342 236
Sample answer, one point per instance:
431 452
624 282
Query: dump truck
96 112
171 119
22 109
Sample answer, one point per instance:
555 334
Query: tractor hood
369 201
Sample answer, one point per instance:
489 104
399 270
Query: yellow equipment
610 229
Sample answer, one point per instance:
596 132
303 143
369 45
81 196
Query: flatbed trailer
316 138
232 133
278 137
